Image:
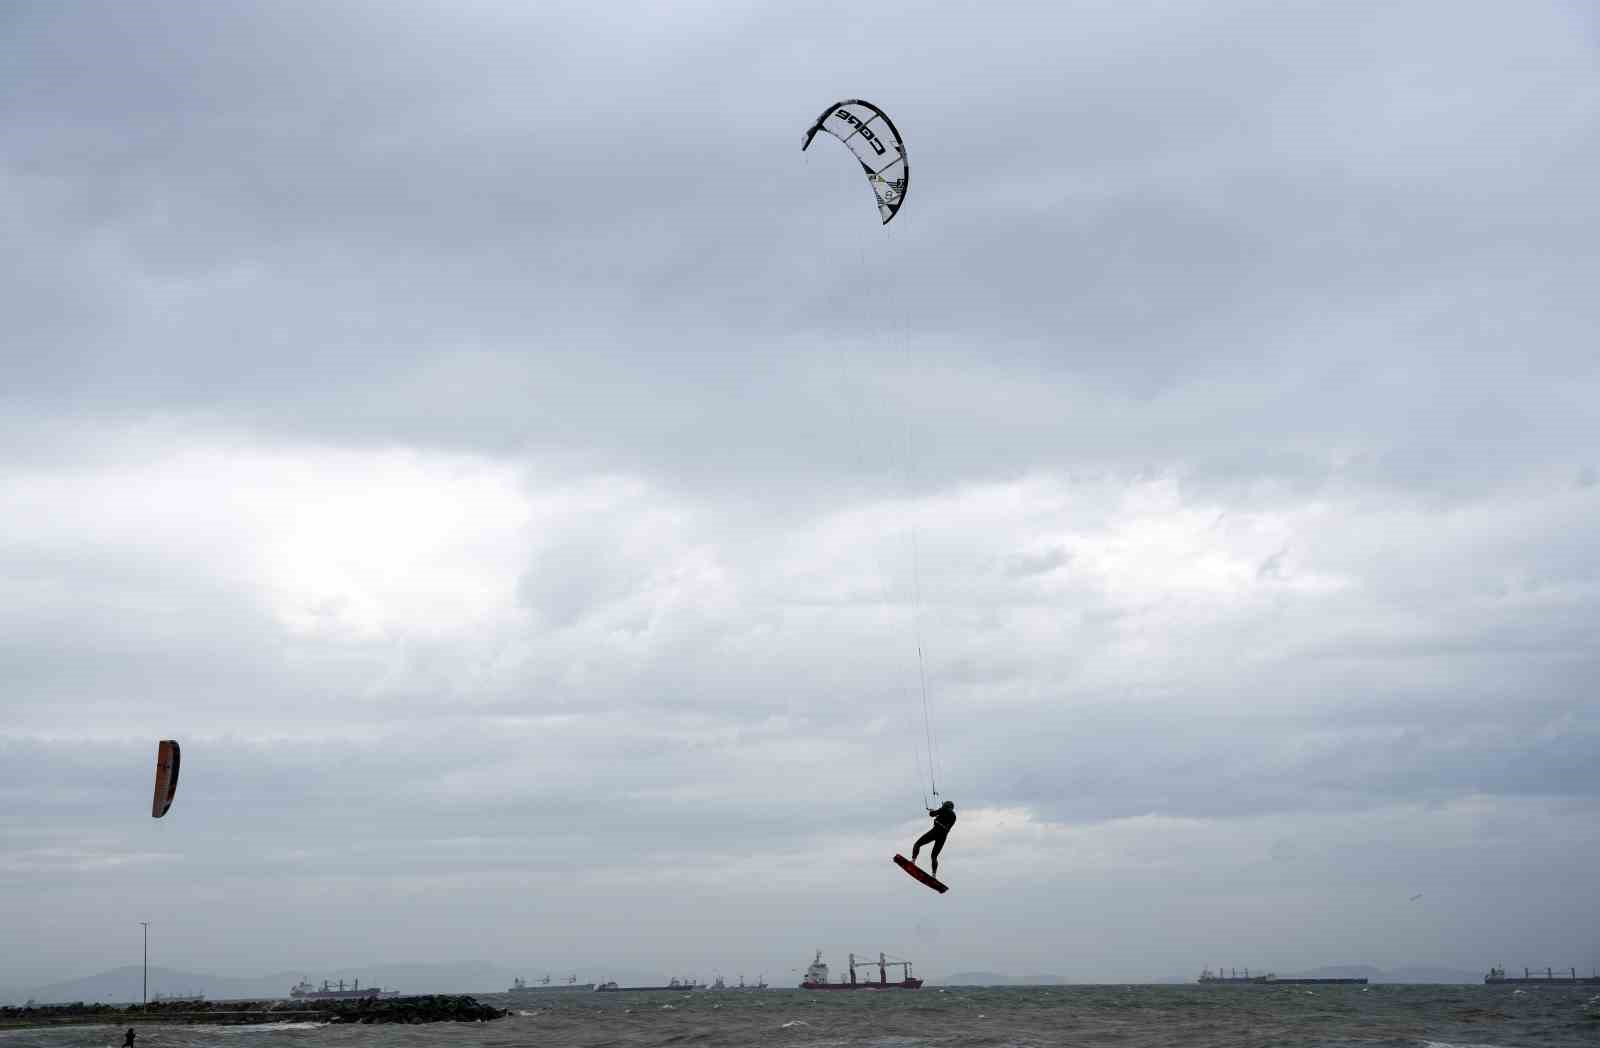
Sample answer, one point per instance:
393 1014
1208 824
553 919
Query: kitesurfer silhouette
127 1038
944 817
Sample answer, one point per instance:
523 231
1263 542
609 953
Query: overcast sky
522 479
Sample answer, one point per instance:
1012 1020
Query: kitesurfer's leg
934 858
926 838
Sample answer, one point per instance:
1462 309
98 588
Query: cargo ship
1570 977
675 984
572 985
304 991
1269 979
817 975
718 984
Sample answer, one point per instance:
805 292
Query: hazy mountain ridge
121 985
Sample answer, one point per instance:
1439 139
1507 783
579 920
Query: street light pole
146 991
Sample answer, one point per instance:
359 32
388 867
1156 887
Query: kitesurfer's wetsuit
943 818
127 1040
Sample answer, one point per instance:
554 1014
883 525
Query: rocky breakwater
433 1008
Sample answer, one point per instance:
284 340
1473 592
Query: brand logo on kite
890 191
862 129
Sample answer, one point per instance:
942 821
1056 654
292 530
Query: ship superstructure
1233 976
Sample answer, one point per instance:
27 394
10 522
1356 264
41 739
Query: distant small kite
166 777
1415 897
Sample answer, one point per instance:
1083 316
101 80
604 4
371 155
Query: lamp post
145 993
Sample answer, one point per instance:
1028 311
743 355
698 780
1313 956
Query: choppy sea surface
1033 1017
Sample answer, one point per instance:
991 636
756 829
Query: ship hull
904 984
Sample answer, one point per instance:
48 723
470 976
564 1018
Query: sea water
1033 1017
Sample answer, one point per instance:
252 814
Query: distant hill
996 979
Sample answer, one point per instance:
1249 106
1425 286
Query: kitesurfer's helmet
948 806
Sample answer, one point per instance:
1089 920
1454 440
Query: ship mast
883 964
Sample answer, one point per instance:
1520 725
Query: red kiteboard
916 872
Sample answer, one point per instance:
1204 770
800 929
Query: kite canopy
166 777
873 138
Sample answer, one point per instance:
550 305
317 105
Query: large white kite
873 138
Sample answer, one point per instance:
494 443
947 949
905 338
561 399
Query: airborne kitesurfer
944 817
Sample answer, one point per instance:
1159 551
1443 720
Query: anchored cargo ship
675 984
572 985
1497 976
817 975
1270 979
718 984
304 991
